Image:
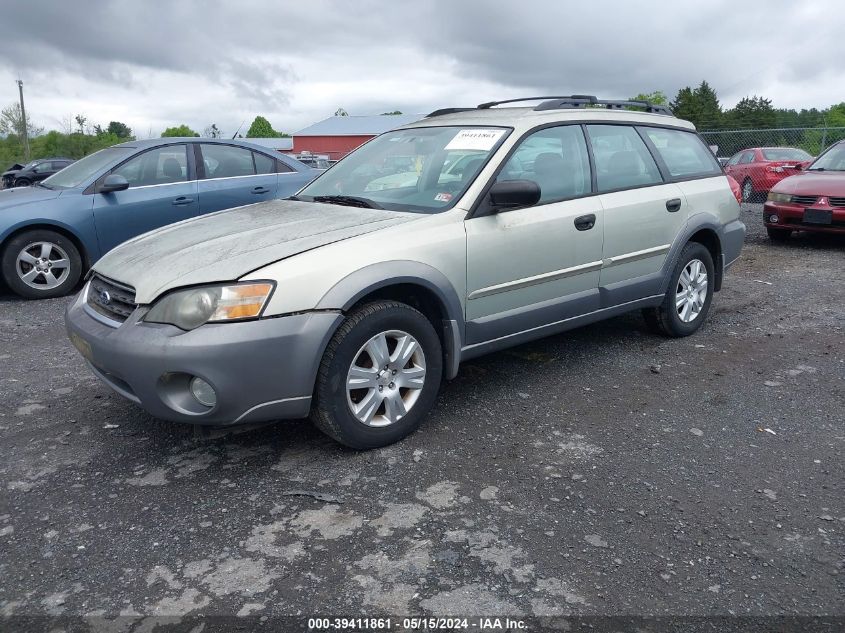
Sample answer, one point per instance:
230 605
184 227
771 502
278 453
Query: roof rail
443 111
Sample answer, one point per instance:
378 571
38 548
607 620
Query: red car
758 169
814 200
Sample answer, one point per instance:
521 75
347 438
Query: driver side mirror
113 182
514 194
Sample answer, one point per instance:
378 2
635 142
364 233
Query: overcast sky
154 64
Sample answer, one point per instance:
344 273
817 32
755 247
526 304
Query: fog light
203 392
773 219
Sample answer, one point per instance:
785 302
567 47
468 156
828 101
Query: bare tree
80 121
11 122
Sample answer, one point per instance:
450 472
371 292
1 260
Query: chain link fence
812 140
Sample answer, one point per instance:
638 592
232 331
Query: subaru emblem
105 297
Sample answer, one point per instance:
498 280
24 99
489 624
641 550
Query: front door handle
258 190
585 222
182 201
673 205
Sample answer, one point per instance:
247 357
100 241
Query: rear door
162 190
232 176
642 213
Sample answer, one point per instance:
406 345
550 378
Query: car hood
831 183
227 245
25 195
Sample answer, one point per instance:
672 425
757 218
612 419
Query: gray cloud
158 63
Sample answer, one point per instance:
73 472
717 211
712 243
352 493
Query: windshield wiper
349 201
41 184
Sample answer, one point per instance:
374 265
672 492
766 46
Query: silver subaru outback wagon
469 231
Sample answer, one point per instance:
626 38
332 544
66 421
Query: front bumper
791 217
260 370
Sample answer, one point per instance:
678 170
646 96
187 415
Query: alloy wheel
691 293
43 265
386 378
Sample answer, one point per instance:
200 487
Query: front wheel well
83 253
420 298
710 240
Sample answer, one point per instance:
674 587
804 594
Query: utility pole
23 120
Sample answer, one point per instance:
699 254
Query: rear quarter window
683 153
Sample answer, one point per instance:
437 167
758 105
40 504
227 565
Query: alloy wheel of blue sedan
43 265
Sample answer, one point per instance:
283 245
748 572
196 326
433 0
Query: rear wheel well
86 262
710 240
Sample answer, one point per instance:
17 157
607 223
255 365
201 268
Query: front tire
778 235
688 296
379 376
22 182
41 264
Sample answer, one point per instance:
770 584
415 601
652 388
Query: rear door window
683 153
622 158
226 161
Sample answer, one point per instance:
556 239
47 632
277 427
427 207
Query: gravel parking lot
604 471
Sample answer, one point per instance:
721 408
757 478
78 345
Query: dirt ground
605 471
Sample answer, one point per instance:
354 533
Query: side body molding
349 290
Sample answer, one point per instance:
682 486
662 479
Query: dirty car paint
226 245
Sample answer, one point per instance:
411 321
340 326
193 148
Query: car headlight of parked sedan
779 197
188 309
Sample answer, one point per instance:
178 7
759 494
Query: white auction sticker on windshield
475 139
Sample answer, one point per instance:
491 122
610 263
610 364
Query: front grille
111 299
837 202
805 200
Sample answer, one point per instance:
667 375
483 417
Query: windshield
786 153
420 169
832 160
85 169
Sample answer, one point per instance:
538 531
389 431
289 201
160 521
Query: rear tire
688 297
41 264
748 194
779 235
389 396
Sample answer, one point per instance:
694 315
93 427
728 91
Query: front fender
352 288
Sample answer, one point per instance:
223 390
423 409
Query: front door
160 193
530 267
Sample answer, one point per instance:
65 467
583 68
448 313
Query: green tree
394 113
752 113
180 130
261 128
341 112
699 105
120 130
658 97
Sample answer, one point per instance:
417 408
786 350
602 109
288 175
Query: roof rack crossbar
611 104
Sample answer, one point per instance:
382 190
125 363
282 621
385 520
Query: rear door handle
258 190
585 222
673 205
182 201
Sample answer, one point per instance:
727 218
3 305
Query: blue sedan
51 233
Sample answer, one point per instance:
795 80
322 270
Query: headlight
189 309
779 197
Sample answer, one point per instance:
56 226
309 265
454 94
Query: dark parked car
39 170
7 178
813 200
51 233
